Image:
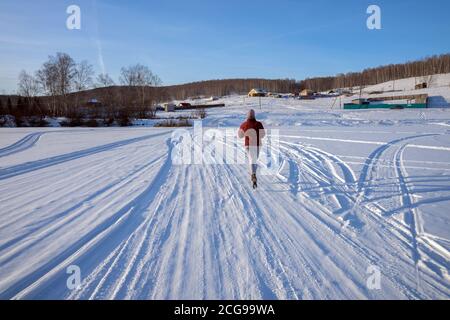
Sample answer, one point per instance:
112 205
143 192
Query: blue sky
193 40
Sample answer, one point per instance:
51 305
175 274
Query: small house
257 93
306 93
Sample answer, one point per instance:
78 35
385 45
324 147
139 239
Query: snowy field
354 190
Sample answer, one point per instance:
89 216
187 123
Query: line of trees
425 67
428 66
61 88
228 87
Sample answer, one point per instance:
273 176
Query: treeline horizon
56 89
436 64
63 87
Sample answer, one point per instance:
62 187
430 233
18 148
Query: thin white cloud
98 42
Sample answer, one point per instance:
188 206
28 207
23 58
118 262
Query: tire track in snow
93 176
124 282
20 169
404 287
369 167
424 251
119 275
102 240
163 269
107 280
391 226
264 244
267 245
269 229
171 265
364 177
75 212
316 167
411 217
25 143
398 168
252 241
414 232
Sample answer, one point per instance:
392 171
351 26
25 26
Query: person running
253 132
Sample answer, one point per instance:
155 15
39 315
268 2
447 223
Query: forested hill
428 66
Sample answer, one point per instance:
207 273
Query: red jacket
258 129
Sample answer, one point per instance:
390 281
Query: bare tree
142 79
56 79
104 80
46 78
110 97
138 75
28 86
82 78
83 74
66 70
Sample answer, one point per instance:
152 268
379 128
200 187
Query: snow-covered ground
356 191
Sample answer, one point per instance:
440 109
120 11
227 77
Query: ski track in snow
25 143
28 142
141 227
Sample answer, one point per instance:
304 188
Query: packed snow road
345 204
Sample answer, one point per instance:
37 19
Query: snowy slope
355 189
438 89
408 84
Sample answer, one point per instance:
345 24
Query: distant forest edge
428 66
64 88
436 64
